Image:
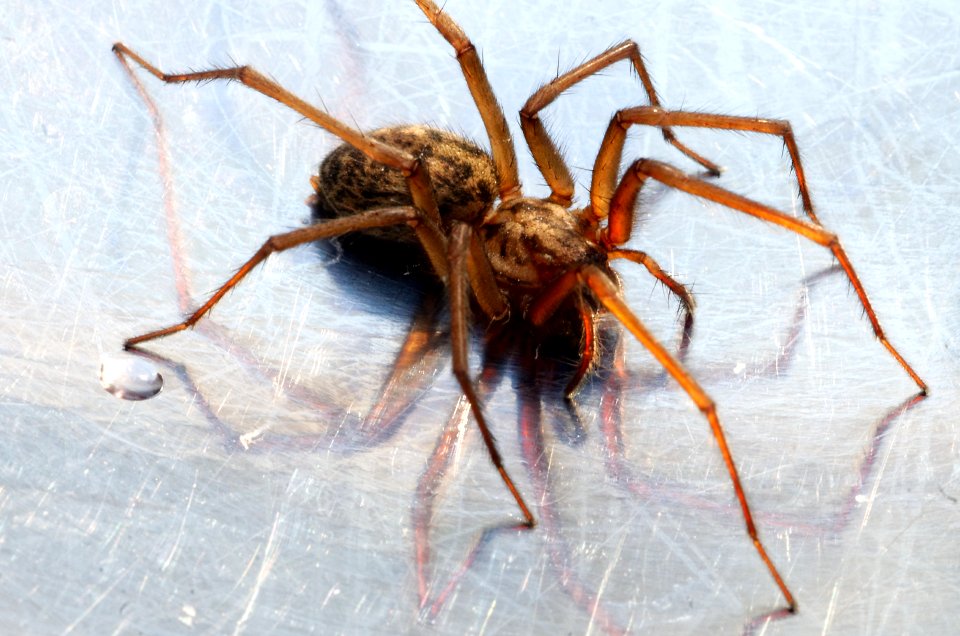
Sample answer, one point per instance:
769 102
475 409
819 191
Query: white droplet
129 377
739 368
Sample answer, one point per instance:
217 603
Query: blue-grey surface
239 501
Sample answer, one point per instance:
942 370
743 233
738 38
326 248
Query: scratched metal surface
247 498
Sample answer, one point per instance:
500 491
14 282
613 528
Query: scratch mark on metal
270 554
183 522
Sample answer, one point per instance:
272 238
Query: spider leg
501 142
497 348
677 288
548 302
642 258
459 289
621 221
588 350
483 281
280 242
605 290
544 150
607 164
421 189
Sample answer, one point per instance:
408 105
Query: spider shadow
390 278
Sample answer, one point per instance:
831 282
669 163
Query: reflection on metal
538 371
539 374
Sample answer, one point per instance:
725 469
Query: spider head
530 242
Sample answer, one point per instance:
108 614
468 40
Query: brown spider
527 258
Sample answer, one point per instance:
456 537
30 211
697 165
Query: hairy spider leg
605 290
459 291
501 141
544 150
550 299
421 190
280 242
687 302
423 217
623 203
607 164
642 258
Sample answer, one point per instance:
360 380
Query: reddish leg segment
281 242
642 258
459 338
545 151
421 189
501 142
607 165
607 293
621 222
604 289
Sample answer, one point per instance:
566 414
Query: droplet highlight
129 377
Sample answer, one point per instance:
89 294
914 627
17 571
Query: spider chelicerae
515 257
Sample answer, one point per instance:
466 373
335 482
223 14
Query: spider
517 257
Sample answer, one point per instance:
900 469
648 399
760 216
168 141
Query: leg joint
618 119
707 406
528 114
410 166
465 49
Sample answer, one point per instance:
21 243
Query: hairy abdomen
463 177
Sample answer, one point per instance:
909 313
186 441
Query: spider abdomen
463 177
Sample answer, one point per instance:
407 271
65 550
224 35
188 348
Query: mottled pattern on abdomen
463 177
